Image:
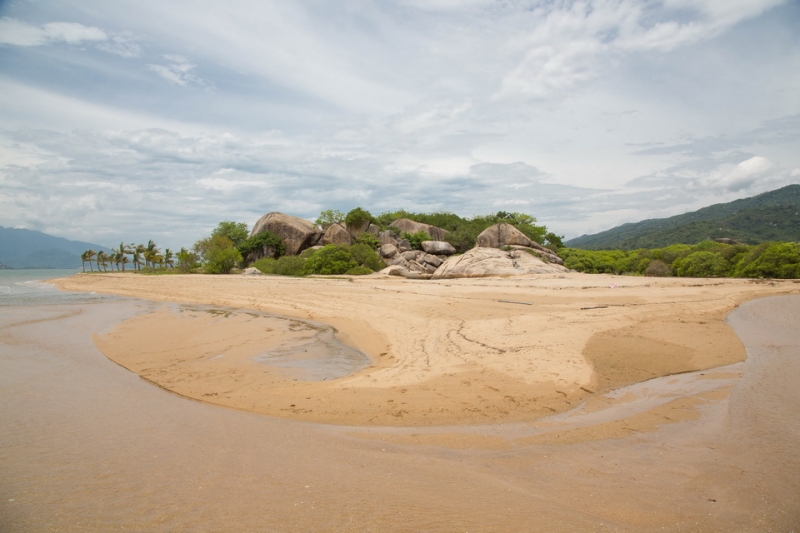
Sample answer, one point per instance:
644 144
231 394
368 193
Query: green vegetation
356 260
187 261
328 217
708 259
463 232
357 218
415 239
235 231
265 239
288 265
770 217
217 253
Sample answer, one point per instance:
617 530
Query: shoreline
443 353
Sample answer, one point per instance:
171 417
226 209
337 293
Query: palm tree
102 259
124 259
90 255
168 255
137 249
84 258
123 251
150 251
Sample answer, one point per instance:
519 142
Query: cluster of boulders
501 250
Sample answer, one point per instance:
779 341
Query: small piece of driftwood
513 302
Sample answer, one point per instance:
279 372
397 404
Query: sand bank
447 352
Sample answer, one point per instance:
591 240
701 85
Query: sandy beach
452 352
89 446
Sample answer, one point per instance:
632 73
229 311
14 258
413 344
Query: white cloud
18 33
124 45
178 70
739 177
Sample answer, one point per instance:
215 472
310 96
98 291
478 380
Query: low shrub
330 260
288 265
658 268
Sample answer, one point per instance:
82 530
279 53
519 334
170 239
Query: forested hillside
771 216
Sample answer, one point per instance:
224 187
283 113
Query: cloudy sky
142 119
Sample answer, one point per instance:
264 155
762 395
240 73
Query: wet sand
88 446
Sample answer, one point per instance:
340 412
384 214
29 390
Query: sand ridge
467 351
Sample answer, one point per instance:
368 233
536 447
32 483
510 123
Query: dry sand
449 352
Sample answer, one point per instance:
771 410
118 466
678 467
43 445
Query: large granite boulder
438 247
502 235
387 250
483 262
409 226
336 234
297 234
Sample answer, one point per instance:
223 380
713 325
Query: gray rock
252 272
502 235
336 234
438 247
482 262
387 237
403 245
297 234
409 226
433 260
545 254
388 250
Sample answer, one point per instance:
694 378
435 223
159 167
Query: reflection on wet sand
88 446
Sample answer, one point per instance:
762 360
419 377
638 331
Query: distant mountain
24 248
771 216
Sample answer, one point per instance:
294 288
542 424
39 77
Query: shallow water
26 287
86 445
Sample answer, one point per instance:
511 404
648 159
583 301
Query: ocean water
26 287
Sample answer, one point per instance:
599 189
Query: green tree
235 231
124 250
102 260
150 252
357 218
329 260
136 255
217 254
222 261
328 217
90 256
168 258
261 242
772 260
702 265
87 256
187 261
366 256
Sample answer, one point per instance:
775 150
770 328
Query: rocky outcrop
297 234
438 247
336 234
726 240
482 262
502 235
411 264
505 235
409 226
